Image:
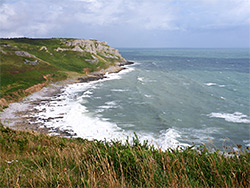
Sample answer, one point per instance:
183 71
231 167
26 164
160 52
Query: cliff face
94 47
25 63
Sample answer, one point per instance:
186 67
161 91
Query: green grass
37 160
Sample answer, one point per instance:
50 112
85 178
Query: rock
94 57
114 69
6 45
3 52
93 77
44 48
95 47
128 63
77 49
61 49
28 62
86 44
23 54
123 63
95 60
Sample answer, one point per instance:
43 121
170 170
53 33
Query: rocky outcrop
101 74
93 77
93 47
62 49
95 55
111 69
23 54
44 48
28 62
123 63
77 49
3 52
95 60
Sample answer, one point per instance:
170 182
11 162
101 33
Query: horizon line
147 47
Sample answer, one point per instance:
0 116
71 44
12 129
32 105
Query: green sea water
170 97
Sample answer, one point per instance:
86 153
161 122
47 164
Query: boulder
23 54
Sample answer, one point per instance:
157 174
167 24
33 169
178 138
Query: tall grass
37 160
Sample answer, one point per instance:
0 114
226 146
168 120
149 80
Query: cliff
27 65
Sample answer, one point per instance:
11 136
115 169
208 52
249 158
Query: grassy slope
37 160
16 76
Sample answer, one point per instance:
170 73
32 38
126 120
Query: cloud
217 14
102 18
152 15
28 16
24 18
99 12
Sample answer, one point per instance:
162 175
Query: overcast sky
131 23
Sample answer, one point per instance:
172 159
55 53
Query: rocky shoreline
101 74
18 114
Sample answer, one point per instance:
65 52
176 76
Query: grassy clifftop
27 62
37 160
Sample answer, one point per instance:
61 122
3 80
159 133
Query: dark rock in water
129 63
126 63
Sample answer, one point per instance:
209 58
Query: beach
19 115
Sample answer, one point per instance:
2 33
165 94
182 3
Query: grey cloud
110 19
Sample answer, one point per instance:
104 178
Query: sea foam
214 84
235 117
68 112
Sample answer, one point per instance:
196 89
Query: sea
170 97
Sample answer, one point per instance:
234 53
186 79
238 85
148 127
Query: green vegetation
37 160
24 62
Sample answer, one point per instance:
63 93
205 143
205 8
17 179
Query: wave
198 135
213 84
210 84
108 105
67 112
140 79
72 115
247 143
236 117
168 138
119 90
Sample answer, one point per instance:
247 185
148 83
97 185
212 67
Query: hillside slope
27 65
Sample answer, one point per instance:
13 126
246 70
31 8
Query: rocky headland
50 64
27 65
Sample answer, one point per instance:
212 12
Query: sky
132 23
